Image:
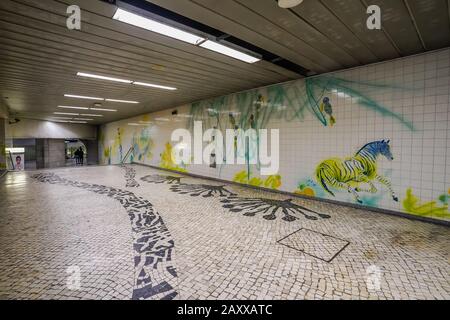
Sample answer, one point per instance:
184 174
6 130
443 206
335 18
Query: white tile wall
417 88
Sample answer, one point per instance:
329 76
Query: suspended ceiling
39 56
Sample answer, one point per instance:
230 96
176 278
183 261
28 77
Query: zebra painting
351 172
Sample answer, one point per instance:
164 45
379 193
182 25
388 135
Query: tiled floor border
341 203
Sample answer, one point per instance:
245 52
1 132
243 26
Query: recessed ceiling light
95 76
91 115
122 101
155 26
82 97
220 48
103 109
153 85
71 107
67 113
288 3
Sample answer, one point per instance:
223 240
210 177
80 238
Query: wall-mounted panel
28 128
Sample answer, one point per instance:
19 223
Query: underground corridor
234 150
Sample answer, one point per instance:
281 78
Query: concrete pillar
92 151
55 153
40 162
50 153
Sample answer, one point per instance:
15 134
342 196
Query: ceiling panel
316 14
39 59
397 23
352 14
290 23
432 18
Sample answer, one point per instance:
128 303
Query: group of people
79 156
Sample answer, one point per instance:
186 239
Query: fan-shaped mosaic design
203 190
269 208
159 178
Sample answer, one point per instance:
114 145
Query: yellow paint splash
412 204
272 182
167 160
307 191
117 141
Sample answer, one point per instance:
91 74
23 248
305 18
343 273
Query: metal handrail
127 154
12 162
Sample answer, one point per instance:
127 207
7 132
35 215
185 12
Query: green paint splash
284 103
412 204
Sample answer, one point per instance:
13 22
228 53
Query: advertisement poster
15 159
19 161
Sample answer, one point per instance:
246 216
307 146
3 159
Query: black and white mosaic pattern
269 207
44 229
159 178
130 175
204 190
155 275
316 244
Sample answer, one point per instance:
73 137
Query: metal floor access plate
315 244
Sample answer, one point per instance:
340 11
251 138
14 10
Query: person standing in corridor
81 153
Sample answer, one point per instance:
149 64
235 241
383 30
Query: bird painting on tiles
326 107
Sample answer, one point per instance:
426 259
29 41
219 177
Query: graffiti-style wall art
377 136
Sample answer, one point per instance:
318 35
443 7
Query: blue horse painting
349 173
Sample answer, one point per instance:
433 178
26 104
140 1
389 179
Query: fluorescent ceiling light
61 118
103 109
162 119
83 119
91 115
122 101
95 76
96 98
220 48
77 121
134 124
71 107
15 150
153 85
139 83
155 26
67 113
82 97
164 29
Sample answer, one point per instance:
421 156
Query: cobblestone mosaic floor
139 233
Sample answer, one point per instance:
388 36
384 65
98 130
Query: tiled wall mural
377 135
